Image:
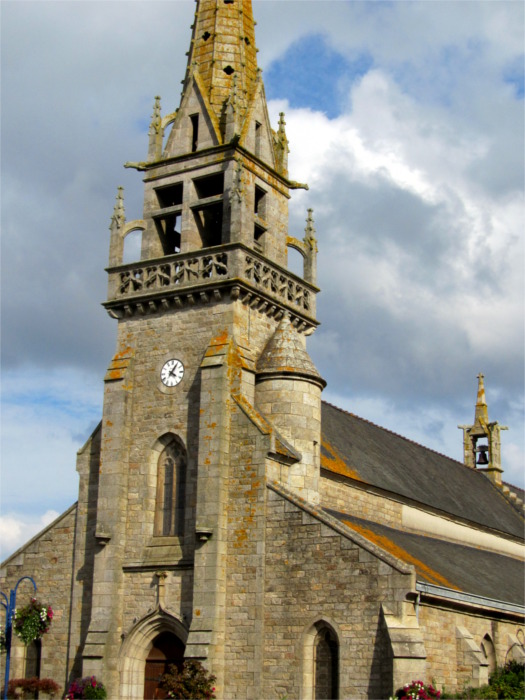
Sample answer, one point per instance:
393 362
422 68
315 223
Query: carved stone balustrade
211 273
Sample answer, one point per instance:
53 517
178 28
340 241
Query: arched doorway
166 649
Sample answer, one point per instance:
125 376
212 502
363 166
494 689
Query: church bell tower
482 439
211 324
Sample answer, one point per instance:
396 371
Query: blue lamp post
10 604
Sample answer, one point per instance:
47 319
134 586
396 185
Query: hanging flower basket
32 621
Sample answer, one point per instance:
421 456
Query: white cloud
17 529
417 190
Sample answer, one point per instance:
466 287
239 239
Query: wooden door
167 649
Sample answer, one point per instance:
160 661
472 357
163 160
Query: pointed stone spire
223 45
481 416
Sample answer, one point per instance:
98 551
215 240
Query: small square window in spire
206 36
229 70
228 2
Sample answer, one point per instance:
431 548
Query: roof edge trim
469 598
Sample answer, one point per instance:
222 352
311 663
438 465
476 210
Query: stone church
225 512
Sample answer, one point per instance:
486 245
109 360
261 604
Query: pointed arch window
321 663
489 652
171 488
326 665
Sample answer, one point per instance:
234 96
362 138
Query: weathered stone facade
225 508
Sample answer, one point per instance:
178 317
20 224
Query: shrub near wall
31 688
507 682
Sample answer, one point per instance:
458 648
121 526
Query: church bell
482 455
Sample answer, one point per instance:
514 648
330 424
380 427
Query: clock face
172 372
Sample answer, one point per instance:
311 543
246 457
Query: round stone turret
288 392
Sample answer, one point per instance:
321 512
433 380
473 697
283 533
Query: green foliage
32 621
505 683
191 682
30 687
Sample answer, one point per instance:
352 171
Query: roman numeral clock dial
172 373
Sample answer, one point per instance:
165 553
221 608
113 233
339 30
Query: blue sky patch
515 76
312 74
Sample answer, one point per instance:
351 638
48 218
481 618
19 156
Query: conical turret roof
285 354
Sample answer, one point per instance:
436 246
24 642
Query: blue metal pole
10 606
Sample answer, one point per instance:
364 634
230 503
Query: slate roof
447 564
356 448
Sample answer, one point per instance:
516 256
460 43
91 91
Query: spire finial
309 231
156 132
281 147
119 217
156 116
482 414
282 123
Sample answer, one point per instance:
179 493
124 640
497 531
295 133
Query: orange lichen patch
119 364
331 460
240 537
392 548
126 353
220 339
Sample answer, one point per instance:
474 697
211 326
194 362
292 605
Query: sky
406 119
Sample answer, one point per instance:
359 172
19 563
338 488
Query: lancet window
171 487
326 665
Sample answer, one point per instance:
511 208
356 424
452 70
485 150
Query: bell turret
482 440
